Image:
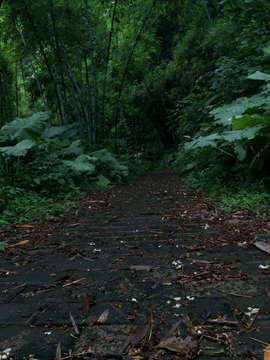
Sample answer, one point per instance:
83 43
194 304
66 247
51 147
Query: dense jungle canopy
186 81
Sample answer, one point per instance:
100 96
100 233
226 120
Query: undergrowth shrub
39 166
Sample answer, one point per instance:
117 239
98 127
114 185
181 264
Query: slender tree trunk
93 76
17 95
34 72
17 38
208 14
106 70
42 50
127 65
65 99
83 97
59 91
62 58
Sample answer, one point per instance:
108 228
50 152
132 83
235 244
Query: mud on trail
144 270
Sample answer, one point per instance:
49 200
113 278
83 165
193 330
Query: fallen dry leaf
73 324
172 330
263 246
103 317
24 226
19 243
135 337
58 352
187 346
267 353
141 267
120 312
86 304
123 287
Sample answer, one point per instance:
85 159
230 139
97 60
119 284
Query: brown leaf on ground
135 337
120 312
58 352
73 324
86 304
185 346
247 355
140 267
172 330
153 305
19 243
267 353
25 226
123 287
103 317
263 246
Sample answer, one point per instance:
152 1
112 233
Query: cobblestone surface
145 222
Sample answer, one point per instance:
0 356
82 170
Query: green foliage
167 160
7 88
19 206
19 149
251 196
148 75
27 129
49 161
2 245
191 113
135 164
249 145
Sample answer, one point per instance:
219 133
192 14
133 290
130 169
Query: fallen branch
252 321
10 272
141 254
221 322
229 293
17 287
74 282
259 341
212 338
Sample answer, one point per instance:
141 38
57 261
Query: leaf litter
146 338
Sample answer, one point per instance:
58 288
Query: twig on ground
74 282
229 293
259 341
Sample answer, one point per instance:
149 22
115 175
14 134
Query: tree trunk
106 70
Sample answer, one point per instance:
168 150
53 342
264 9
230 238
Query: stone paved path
185 268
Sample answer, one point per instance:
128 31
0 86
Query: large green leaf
231 136
250 133
102 181
18 150
65 131
246 121
106 157
227 136
74 148
81 163
203 141
239 150
30 128
258 75
54 131
224 114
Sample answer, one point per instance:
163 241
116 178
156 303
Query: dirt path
151 254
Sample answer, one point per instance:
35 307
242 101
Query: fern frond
262 154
